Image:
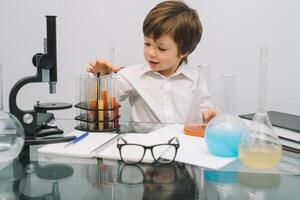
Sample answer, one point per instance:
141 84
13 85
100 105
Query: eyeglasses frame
176 146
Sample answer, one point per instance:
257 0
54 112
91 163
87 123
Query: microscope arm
46 65
27 118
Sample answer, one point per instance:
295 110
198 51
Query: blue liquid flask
223 133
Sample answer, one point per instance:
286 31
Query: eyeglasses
134 153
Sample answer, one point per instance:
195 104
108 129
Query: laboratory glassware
99 105
195 124
223 132
260 146
11 131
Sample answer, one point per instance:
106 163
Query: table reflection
220 184
262 186
171 181
42 182
241 185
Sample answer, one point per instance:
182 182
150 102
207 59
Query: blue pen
77 139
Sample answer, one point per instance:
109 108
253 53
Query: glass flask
260 147
11 132
223 133
194 125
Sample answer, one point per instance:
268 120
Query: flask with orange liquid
194 124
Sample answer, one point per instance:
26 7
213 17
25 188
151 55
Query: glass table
97 179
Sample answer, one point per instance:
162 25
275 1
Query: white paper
83 148
193 150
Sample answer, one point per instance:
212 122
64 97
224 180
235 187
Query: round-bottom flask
11 132
260 147
11 137
223 135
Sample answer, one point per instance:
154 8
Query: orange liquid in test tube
104 99
92 114
195 130
115 107
117 114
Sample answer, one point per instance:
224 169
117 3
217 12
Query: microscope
36 122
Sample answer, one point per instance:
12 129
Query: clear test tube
100 105
103 103
81 98
114 100
110 113
92 102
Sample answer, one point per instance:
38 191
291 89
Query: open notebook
86 148
192 150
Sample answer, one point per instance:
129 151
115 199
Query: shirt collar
186 71
183 69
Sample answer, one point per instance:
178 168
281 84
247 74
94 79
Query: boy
161 91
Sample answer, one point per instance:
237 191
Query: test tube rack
98 106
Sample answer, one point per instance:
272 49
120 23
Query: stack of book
286 126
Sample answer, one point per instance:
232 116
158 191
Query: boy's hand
208 115
103 67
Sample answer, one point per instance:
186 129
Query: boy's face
162 54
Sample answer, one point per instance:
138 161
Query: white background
234 30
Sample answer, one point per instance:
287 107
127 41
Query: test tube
112 95
100 105
110 115
81 83
114 100
104 101
92 91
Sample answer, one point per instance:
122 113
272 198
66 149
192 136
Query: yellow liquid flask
194 125
260 146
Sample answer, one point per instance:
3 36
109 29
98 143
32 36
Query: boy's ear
183 55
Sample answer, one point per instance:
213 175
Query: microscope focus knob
44 61
36 59
28 118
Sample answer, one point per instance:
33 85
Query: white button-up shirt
155 98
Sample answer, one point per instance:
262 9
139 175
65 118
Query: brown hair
177 19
